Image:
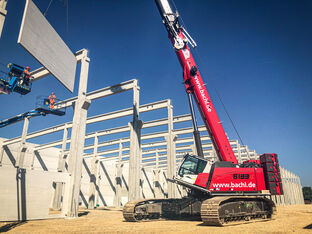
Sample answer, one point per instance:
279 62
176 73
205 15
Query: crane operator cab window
192 166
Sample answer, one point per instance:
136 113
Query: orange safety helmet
52 93
27 68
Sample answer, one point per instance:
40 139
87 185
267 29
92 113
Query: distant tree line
307 194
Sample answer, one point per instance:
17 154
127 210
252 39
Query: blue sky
257 53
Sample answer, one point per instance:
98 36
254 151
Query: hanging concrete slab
40 39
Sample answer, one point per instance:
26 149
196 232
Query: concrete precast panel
40 39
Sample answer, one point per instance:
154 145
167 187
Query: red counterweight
271 169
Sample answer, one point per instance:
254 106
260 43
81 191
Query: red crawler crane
220 192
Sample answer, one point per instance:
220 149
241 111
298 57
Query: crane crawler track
223 211
151 209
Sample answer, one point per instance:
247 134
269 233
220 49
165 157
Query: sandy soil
289 219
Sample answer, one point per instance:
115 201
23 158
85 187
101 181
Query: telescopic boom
193 81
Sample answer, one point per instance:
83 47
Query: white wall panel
40 39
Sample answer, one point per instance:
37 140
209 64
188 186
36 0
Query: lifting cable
3 65
64 4
46 11
212 84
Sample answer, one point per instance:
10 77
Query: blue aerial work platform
15 81
41 110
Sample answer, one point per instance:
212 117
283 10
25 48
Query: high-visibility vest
52 98
27 73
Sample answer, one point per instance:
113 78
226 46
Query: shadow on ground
108 209
83 213
236 223
308 226
10 226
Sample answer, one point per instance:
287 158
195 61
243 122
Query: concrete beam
94 119
3 13
100 93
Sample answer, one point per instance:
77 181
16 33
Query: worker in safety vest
26 77
52 100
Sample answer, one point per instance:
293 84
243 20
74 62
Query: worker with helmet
26 76
52 100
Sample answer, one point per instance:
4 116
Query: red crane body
230 174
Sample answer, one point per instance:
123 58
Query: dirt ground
289 219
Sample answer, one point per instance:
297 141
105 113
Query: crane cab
191 167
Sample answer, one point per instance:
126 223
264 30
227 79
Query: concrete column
135 161
301 193
171 152
284 182
33 152
77 139
157 188
1 152
286 187
296 189
299 189
193 148
247 152
295 185
57 201
118 181
282 196
93 177
135 149
20 157
278 199
94 171
239 154
292 192
3 13
97 185
62 155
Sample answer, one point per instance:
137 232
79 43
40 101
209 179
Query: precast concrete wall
45 160
28 194
292 189
108 181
